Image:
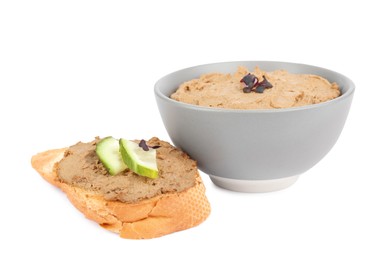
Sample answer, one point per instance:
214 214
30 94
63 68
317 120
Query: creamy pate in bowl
235 91
254 126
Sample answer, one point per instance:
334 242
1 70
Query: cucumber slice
140 161
108 151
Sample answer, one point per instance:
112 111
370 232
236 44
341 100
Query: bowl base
254 185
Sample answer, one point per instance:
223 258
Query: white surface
72 70
254 185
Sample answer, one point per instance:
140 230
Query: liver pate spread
81 167
226 90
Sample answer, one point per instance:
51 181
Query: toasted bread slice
149 218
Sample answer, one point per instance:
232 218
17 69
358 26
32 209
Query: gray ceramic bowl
254 150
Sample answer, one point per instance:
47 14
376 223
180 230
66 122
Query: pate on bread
134 206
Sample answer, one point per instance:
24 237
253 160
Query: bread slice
148 218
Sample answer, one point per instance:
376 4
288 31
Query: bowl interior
168 84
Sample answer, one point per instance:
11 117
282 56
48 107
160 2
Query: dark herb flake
253 84
144 145
259 89
265 83
247 90
250 80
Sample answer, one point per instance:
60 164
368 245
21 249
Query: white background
73 70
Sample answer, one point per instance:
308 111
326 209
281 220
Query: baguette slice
149 218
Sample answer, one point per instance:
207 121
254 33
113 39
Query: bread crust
150 218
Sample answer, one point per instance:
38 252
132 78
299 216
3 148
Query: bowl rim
345 95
